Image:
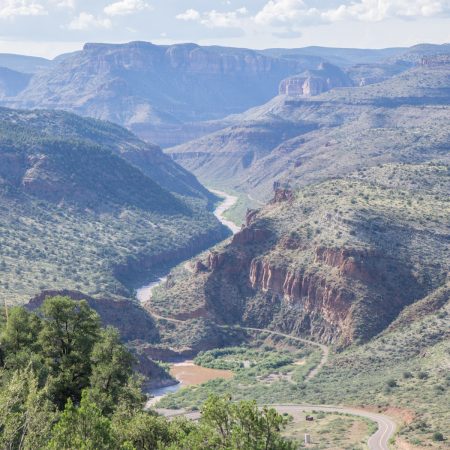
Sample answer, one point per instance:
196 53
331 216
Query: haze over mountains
164 92
300 139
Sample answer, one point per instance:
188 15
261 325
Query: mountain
12 82
172 94
65 126
139 82
342 57
81 210
347 57
403 119
24 64
336 260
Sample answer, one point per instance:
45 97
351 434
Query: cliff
327 261
315 82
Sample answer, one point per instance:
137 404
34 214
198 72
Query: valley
210 247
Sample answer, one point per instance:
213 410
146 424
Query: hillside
65 126
22 63
338 260
404 118
75 214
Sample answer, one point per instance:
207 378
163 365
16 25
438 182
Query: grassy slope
76 215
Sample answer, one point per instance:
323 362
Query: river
144 293
186 372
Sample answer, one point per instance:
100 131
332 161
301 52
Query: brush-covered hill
338 260
80 208
303 140
54 125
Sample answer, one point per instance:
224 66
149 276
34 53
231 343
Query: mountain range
170 94
301 140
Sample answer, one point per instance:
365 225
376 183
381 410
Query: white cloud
377 10
289 13
85 21
213 18
12 8
189 14
63 4
125 7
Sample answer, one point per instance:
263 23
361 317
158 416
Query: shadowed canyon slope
337 260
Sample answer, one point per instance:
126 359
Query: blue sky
49 27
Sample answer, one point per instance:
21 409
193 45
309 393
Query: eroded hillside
338 260
305 140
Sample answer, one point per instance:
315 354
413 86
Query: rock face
319 263
315 82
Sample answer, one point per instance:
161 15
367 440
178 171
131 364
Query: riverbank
186 372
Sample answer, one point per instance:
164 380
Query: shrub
392 383
438 436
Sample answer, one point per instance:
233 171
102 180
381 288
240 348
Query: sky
51 27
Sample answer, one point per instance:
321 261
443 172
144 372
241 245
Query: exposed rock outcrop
315 82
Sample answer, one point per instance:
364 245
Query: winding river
186 372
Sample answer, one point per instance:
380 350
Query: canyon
310 265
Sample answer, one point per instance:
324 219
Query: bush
438 436
407 375
392 383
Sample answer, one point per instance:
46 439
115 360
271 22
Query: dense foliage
67 383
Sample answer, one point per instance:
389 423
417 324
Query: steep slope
75 214
337 260
405 118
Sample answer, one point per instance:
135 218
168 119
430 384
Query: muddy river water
186 372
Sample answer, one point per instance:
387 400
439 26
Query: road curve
324 348
386 426
377 441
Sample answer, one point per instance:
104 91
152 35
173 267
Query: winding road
378 441
386 426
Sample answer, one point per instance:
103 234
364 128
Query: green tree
111 369
69 332
237 426
82 428
144 431
19 338
26 413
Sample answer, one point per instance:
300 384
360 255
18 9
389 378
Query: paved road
378 441
386 426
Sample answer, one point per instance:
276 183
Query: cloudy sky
50 27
